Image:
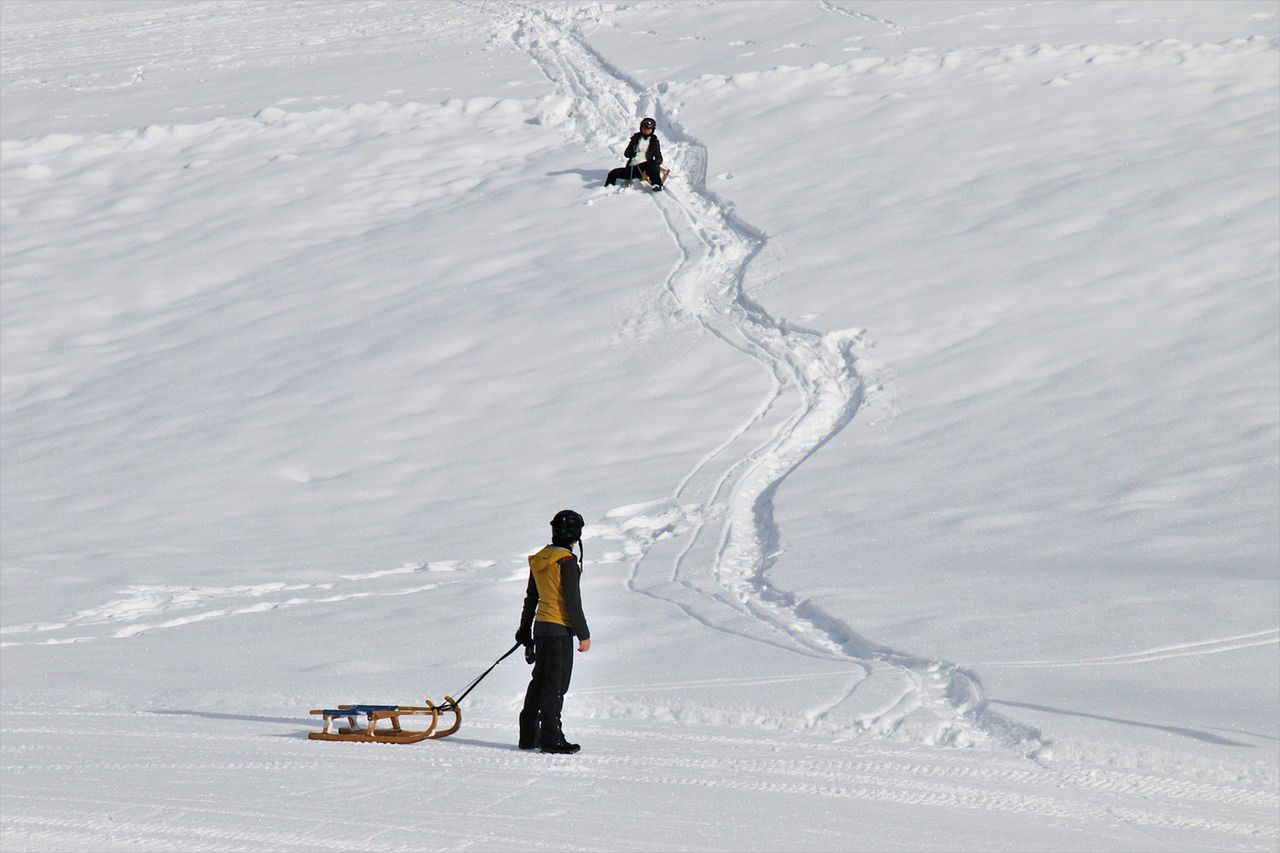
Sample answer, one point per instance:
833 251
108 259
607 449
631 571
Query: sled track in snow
41 746
709 547
1213 811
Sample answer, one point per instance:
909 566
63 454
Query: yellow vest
546 574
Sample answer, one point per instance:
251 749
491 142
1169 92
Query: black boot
561 748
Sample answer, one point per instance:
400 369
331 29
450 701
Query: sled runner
374 714
369 732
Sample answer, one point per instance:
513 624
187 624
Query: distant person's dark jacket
653 155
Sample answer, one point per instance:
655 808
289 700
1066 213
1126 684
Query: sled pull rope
449 706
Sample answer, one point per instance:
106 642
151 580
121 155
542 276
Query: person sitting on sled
644 156
554 596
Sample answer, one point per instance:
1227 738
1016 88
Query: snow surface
927 427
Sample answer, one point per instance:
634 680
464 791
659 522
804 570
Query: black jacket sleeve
570 577
631 146
530 605
655 151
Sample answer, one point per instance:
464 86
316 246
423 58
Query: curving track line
1269 637
721 513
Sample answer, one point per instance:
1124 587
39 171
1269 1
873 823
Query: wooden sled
374 714
644 178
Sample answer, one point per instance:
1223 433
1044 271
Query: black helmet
648 123
567 526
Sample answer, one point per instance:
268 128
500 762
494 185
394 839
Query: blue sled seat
357 709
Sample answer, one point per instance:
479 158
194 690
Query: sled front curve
450 704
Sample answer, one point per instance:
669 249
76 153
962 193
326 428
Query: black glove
524 637
530 655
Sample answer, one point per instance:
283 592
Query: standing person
644 154
554 596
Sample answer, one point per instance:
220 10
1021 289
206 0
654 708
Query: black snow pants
540 718
627 173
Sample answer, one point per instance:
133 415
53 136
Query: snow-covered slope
926 427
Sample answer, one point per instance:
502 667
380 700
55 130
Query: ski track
145 607
1226 807
1182 650
896 29
720 577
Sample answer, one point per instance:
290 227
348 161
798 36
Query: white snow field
927 427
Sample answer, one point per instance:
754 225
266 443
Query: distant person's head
566 528
647 126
